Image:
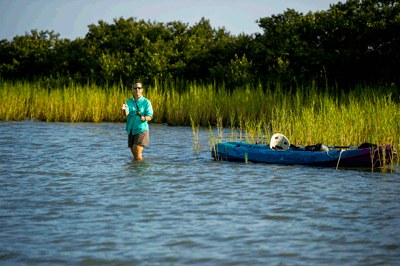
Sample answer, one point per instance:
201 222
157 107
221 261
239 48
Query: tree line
352 42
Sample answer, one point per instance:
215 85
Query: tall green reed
75 103
306 114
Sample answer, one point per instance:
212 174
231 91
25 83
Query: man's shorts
141 139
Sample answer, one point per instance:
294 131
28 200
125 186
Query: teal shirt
133 121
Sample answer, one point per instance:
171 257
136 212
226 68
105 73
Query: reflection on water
138 169
71 194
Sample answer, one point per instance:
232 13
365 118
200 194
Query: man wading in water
138 111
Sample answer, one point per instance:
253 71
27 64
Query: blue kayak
354 157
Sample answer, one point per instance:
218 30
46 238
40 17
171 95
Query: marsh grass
305 115
195 131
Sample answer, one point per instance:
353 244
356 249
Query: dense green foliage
352 42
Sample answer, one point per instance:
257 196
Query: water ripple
72 195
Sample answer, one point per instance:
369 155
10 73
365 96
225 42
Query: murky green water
71 195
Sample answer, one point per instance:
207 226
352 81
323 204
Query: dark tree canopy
352 42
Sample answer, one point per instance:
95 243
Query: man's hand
124 109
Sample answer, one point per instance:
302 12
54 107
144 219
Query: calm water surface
71 195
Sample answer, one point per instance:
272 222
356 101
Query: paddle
362 146
343 147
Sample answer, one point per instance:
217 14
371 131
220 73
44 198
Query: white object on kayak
279 142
